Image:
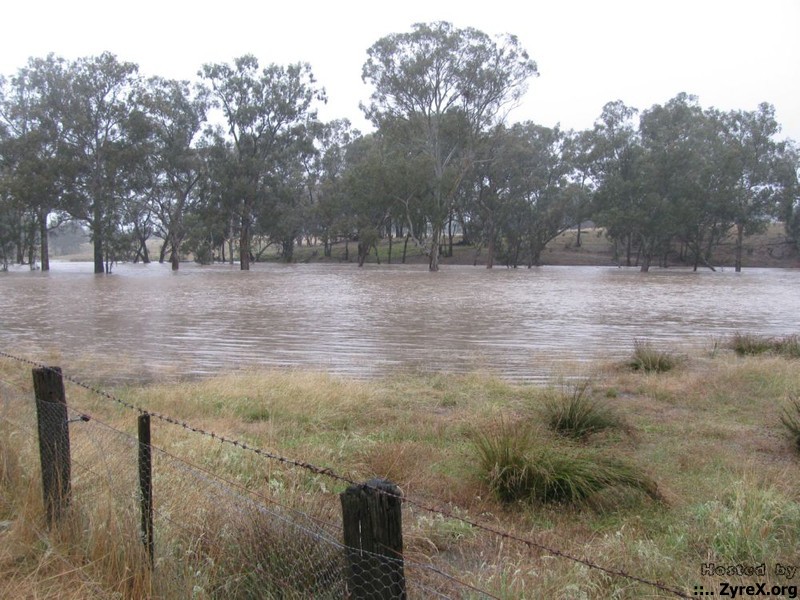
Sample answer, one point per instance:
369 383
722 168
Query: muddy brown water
526 324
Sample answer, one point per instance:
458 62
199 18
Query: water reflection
521 324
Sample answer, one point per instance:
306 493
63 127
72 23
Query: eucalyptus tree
33 147
175 116
699 182
445 86
370 187
755 185
540 191
617 159
788 172
578 147
105 139
326 217
672 175
266 111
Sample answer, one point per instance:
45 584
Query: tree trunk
99 266
490 246
433 260
363 250
450 236
739 243
244 246
45 246
578 238
145 252
288 249
175 255
405 247
628 252
162 253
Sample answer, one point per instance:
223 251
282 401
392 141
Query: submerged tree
444 86
33 147
266 111
105 139
755 183
175 163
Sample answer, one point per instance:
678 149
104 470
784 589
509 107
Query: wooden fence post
53 427
146 485
373 537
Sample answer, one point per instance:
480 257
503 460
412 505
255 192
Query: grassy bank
696 466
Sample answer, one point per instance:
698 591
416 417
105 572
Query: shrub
573 413
648 359
791 420
518 468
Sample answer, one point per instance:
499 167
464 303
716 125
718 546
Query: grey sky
730 53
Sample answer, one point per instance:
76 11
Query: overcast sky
732 54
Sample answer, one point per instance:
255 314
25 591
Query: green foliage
650 360
518 467
750 524
574 413
790 417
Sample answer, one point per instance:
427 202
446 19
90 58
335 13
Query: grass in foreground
710 435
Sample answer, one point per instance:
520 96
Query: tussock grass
651 360
520 466
573 412
790 417
745 344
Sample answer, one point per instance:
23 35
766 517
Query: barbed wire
329 472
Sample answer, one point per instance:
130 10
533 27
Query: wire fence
233 520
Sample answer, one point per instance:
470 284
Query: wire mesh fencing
200 515
226 521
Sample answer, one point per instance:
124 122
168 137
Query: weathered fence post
373 537
146 485
53 427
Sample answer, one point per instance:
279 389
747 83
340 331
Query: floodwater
525 324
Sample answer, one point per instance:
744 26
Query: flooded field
521 324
